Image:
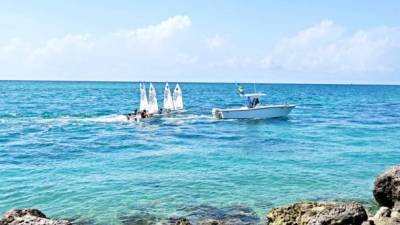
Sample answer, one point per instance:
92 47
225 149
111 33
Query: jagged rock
395 212
387 187
368 222
318 213
386 221
382 212
29 217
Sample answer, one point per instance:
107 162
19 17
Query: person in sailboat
132 116
144 114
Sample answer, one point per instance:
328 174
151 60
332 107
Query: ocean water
66 148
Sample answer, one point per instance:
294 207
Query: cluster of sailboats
149 104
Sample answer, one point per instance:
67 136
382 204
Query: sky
350 42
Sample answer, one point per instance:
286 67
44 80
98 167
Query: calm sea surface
66 148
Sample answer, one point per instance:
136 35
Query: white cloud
170 49
326 47
215 41
157 33
119 55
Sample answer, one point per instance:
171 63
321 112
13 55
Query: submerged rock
177 221
387 187
29 217
139 218
195 215
318 213
182 221
212 222
209 215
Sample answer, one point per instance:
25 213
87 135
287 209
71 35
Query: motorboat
254 109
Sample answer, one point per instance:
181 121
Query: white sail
144 105
153 105
168 103
177 97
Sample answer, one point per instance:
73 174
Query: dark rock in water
139 218
82 221
318 213
203 212
209 215
177 221
212 222
182 221
29 217
387 187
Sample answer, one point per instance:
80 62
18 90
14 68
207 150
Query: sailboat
177 98
153 105
144 105
168 102
149 106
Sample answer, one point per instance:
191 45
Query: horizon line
202 82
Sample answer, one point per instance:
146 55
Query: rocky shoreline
386 192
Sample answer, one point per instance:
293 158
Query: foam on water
107 119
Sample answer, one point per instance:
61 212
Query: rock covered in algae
318 213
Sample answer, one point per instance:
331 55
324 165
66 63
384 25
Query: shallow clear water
66 148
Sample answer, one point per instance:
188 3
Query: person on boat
256 102
135 112
144 114
160 111
249 103
128 117
132 116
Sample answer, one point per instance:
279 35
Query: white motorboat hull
260 112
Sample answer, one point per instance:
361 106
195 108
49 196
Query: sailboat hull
261 112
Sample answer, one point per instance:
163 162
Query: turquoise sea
66 148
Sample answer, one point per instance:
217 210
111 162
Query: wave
187 119
107 119
173 119
70 119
